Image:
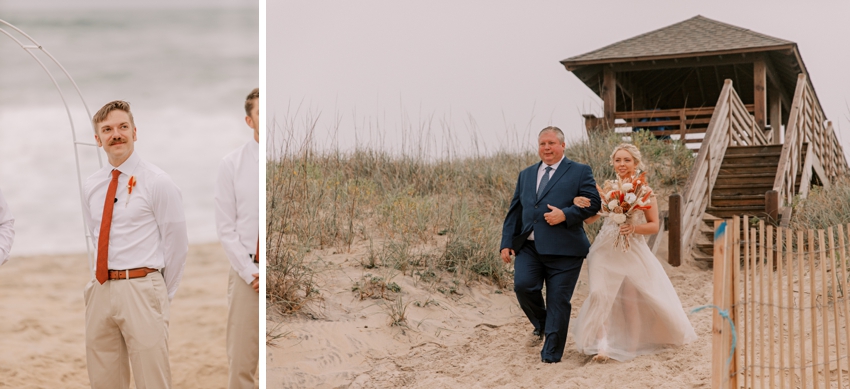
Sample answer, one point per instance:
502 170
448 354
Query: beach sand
42 325
478 338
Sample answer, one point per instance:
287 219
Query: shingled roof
692 36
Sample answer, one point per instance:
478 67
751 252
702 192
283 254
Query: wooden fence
784 291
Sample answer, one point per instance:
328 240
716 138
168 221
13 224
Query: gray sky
118 4
394 65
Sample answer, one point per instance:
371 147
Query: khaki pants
243 332
127 321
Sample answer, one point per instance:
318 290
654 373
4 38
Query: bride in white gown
632 308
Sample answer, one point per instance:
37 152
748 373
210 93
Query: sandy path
42 324
477 340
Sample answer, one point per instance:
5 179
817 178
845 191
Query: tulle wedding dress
632 308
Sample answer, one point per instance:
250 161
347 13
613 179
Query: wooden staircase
746 174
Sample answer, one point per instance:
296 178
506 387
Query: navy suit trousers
552 318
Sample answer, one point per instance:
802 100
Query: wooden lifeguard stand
669 80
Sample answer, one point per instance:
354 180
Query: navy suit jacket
525 214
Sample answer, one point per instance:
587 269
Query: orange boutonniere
130 184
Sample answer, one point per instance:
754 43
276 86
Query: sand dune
478 338
42 325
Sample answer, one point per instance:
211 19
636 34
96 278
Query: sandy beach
42 327
476 337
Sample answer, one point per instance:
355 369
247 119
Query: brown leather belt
132 273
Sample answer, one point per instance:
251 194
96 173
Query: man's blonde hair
631 149
251 100
104 111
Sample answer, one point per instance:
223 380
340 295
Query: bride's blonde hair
631 149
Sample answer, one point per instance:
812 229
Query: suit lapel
531 181
562 169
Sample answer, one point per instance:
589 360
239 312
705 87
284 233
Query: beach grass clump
435 218
290 280
823 208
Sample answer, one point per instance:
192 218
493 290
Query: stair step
754 150
746 179
741 190
731 201
705 248
703 258
733 168
728 214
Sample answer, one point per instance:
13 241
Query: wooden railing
730 125
675 123
807 133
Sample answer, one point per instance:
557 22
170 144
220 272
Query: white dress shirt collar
128 167
554 165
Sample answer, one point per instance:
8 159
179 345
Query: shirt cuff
247 273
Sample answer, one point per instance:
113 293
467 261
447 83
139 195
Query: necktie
257 256
102 270
543 181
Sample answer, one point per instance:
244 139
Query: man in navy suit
545 232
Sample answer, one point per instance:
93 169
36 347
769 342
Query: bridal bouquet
621 199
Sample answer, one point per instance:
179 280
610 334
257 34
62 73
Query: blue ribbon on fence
724 314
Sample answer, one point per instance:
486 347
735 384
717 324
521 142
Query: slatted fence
784 291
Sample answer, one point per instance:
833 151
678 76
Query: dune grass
823 208
429 219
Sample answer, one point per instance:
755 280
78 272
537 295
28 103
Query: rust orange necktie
102 270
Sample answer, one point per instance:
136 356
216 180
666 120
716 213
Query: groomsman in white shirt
7 230
237 217
135 215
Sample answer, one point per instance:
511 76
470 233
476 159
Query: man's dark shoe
538 334
544 360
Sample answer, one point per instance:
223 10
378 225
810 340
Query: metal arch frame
30 49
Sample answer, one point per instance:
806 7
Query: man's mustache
117 140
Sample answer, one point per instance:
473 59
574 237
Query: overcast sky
394 64
113 4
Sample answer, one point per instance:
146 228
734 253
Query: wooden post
824 310
813 304
674 233
591 123
770 304
781 310
734 302
835 308
748 293
762 269
759 92
771 206
789 257
775 102
842 252
609 96
719 348
801 276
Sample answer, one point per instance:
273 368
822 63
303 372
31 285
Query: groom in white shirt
134 213
237 216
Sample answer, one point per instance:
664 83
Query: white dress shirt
541 171
237 207
7 230
148 225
